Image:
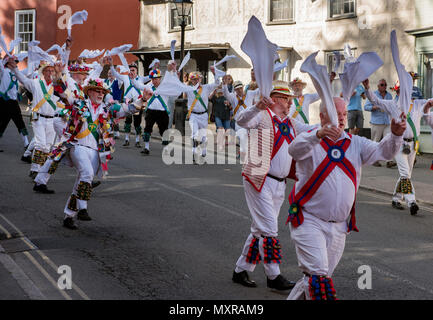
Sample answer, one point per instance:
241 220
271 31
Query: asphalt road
175 232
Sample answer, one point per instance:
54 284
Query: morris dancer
405 158
265 183
300 108
9 106
322 202
89 143
130 94
198 110
45 106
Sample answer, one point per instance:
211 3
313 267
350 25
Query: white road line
30 289
237 214
47 276
8 235
44 257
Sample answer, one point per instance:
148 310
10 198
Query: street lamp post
183 8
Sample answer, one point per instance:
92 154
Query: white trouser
405 167
242 133
43 175
44 134
59 125
198 124
319 247
30 148
86 162
264 208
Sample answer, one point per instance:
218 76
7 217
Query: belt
408 140
199 112
276 178
44 116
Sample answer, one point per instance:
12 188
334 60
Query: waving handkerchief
77 18
154 61
262 53
171 86
337 56
405 79
347 52
319 76
90 54
172 49
185 61
359 70
119 52
225 59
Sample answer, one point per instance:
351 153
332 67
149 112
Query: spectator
228 80
221 111
416 92
355 117
380 123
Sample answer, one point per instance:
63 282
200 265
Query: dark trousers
10 109
137 123
155 116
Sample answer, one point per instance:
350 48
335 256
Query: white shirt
234 99
250 118
391 107
334 199
90 141
6 78
132 94
308 99
33 85
207 90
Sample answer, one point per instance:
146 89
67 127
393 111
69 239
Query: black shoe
397 205
414 209
145 151
27 159
83 215
280 283
33 174
126 144
69 223
243 279
95 184
137 145
390 164
42 188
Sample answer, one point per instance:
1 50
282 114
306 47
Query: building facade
299 27
110 23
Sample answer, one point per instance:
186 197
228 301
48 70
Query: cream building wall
221 21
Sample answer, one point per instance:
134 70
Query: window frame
16 26
278 22
344 15
178 28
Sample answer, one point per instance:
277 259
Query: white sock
238 270
137 139
25 140
126 136
116 133
146 145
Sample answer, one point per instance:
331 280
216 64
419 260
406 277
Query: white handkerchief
262 53
320 78
77 18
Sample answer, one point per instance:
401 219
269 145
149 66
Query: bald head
340 106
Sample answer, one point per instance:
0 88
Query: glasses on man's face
382 85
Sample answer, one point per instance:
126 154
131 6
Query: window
281 11
175 20
341 8
24 28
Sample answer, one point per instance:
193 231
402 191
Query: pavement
175 232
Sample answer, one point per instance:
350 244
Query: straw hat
238 84
296 81
281 87
79 69
95 84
